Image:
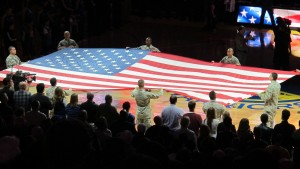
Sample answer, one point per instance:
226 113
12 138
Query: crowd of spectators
36 27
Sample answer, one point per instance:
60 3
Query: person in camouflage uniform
230 59
270 98
67 42
142 98
148 46
219 108
12 59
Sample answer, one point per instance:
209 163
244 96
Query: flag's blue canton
96 61
251 15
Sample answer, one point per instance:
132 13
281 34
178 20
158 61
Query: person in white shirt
212 122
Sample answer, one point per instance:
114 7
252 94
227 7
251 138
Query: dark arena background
177 27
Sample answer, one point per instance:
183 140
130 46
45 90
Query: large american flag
99 69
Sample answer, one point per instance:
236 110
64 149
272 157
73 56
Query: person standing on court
172 114
67 42
282 50
142 98
241 45
270 98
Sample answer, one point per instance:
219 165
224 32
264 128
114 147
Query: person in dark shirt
282 32
159 132
122 124
91 107
265 132
108 111
283 131
8 88
130 117
45 103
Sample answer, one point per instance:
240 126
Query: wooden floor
249 108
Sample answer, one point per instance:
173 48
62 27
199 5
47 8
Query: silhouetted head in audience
108 99
185 122
204 131
101 123
40 87
20 112
6 81
227 122
83 116
126 106
123 115
226 113
35 105
3 98
210 116
158 120
22 86
244 126
59 93
173 99
74 99
192 105
264 118
141 128
89 96
285 115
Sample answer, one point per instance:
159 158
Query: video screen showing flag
251 15
292 15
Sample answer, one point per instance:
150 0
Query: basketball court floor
250 108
